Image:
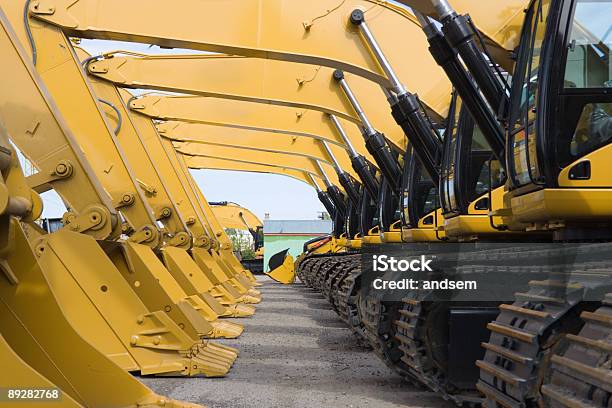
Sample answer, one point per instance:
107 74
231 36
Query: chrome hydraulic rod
332 157
350 185
323 197
405 106
360 164
334 192
357 18
374 140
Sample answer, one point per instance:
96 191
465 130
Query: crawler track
539 354
582 372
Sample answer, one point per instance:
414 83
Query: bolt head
357 17
61 168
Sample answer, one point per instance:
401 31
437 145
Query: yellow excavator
30 353
184 319
295 42
493 125
234 216
126 202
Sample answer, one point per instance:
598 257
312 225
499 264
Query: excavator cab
389 214
560 128
258 238
352 225
470 176
419 202
369 219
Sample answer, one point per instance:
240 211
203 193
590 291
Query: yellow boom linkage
233 113
47 353
116 321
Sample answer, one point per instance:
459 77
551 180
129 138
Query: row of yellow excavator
477 131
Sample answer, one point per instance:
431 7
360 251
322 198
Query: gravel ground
296 352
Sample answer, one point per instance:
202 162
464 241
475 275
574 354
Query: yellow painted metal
430 228
221 276
60 70
256 147
196 222
151 340
240 114
117 320
190 311
232 215
249 156
575 201
202 139
48 342
211 163
317 32
551 208
230 271
155 185
255 80
147 175
225 249
285 273
156 286
188 274
17 372
320 247
499 21
35 126
342 241
44 350
476 223
393 235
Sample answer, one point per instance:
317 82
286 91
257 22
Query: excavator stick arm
202 139
270 82
245 115
39 131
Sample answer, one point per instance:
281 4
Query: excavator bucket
23 374
44 350
190 277
228 287
158 289
281 267
103 308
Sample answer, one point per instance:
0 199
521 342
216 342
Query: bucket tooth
254 292
209 360
240 310
157 401
226 330
248 299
